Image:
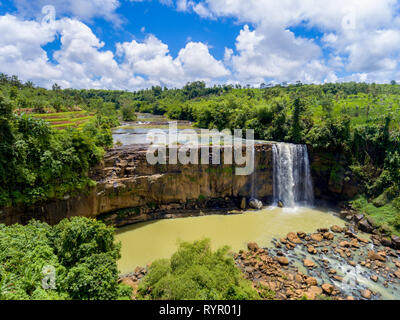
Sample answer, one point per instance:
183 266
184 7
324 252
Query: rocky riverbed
335 264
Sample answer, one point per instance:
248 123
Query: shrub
195 272
82 252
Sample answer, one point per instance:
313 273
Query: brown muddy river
145 242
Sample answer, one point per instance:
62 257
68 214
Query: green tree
195 272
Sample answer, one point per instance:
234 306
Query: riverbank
330 264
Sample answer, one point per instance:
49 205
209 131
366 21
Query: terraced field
363 109
64 120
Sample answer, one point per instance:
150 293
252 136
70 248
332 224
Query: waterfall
253 175
254 202
292 175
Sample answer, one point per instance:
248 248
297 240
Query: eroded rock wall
125 180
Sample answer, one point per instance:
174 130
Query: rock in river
309 263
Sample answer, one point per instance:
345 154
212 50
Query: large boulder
337 229
252 246
282 260
328 288
375 256
256 204
292 237
367 294
396 242
309 263
313 292
317 237
311 281
365 226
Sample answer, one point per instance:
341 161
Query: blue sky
132 44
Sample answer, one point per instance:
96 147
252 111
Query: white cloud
182 5
359 39
362 34
276 54
81 61
84 10
151 58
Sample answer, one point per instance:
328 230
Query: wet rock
292 237
358 217
328 288
313 292
354 243
283 260
396 241
365 241
374 278
308 263
345 244
249 269
256 204
280 204
317 237
252 246
350 234
367 294
338 278
336 229
397 273
365 226
311 250
375 256
387 242
329 236
311 281
301 234
243 203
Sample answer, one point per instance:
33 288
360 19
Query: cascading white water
254 202
292 175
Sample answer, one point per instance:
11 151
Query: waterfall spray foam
292 175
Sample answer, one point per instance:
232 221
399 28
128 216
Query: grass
64 120
362 108
386 217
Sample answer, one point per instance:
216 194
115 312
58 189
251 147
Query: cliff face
125 180
131 190
333 180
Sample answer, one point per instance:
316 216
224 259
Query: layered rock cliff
129 190
125 180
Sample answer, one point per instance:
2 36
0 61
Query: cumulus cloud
363 36
84 10
81 61
360 40
152 59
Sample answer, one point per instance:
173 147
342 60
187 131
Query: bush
82 252
195 272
